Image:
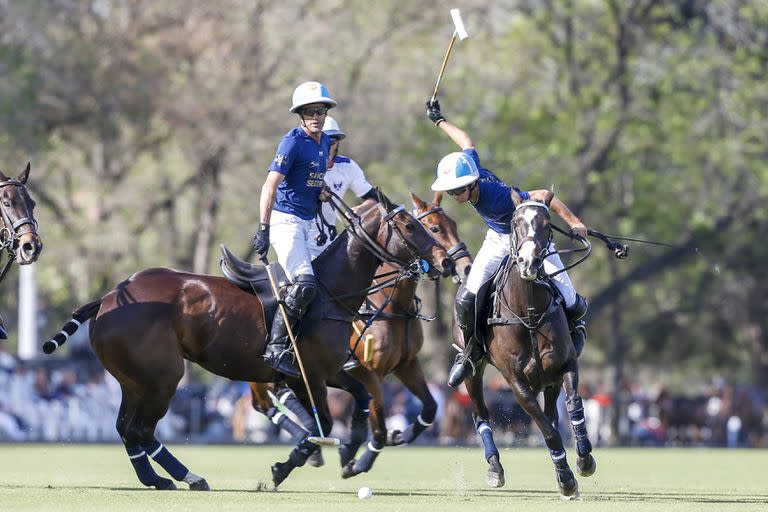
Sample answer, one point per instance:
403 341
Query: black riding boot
576 323
296 302
472 355
278 354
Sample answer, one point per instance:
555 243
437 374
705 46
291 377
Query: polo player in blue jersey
288 205
462 177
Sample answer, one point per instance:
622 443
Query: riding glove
261 240
433 111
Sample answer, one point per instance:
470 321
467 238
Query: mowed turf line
88 477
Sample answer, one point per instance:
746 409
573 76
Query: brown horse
19 234
397 339
529 342
144 329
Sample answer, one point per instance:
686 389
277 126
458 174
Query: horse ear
418 203
516 199
550 195
383 200
3 177
438 198
24 174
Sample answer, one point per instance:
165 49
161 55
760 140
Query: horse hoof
316 459
567 485
394 438
347 454
200 485
348 471
495 479
278 473
165 485
586 466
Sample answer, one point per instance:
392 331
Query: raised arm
557 206
459 136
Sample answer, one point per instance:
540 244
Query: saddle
254 279
487 312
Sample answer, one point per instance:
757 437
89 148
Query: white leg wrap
373 448
422 422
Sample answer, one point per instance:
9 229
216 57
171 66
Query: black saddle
254 279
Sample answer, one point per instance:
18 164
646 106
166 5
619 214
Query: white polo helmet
311 92
332 129
455 170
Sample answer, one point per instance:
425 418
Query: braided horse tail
79 316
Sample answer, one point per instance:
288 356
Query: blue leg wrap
296 431
579 424
365 462
141 465
485 432
558 457
168 462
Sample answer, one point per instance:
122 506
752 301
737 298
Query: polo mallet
321 440
459 31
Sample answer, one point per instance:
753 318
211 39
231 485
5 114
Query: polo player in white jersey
343 174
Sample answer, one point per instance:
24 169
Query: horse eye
7 203
435 229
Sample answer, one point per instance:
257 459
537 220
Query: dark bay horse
396 338
529 342
18 236
144 329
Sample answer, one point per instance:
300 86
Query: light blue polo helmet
455 170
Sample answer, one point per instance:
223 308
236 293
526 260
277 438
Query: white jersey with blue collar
344 175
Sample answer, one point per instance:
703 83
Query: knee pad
465 308
578 310
302 293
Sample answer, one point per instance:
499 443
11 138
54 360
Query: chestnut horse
18 236
144 329
528 341
397 338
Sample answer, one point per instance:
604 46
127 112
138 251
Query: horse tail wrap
79 316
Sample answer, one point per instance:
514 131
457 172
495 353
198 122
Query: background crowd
75 400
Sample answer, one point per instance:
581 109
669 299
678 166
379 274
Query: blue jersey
494 203
303 162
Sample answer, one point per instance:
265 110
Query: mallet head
458 23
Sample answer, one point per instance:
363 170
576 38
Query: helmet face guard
308 93
455 170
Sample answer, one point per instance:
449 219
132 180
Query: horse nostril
28 248
448 266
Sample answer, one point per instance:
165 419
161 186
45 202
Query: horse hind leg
359 427
495 475
130 431
287 401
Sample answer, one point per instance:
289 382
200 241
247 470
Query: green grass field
80 477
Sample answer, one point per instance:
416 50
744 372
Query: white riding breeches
289 235
495 247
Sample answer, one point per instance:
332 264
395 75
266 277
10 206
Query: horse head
20 227
443 229
531 234
404 240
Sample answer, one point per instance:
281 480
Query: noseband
9 235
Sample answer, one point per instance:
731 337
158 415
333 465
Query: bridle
9 236
456 252
355 222
517 243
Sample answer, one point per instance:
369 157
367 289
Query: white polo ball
364 493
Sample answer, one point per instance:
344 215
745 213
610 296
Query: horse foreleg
412 376
566 482
480 415
585 464
359 428
550 404
372 383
